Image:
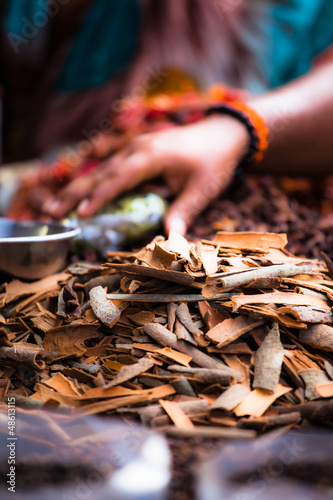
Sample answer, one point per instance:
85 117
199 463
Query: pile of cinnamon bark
224 337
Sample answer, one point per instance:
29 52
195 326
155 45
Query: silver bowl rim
69 232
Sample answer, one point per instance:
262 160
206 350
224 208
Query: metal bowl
33 250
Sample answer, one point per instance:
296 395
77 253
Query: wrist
239 142
254 124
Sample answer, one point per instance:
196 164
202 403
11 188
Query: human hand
197 161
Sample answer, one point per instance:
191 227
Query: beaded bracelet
254 123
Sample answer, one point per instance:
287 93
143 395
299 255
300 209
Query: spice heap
300 207
222 338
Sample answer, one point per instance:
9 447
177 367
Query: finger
38 196
105 144
198 192
133 171
67 199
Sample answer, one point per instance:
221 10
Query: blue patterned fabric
299 30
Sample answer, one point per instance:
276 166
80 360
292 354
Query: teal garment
103 45
299 30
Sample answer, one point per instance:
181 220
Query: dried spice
300 207
222 338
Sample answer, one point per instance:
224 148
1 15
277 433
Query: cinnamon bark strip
177 415
103 308
162 274
307 314
131 371
329 368
171 310
183 334
279 298
4 340
147 413
280 271
17 289
209 257
325 390
268 361
156 393
206 375
19 356
166 338
231 329
230 398
315 411
183 386
318 336
258 401
179 245
313 377
176 356
163 297
251 241
184 316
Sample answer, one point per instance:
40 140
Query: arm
198 161
300 119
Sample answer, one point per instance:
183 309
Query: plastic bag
296 466
129 219
61 457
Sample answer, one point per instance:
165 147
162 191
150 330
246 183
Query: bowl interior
33 230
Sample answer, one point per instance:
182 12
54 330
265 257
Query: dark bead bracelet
229 110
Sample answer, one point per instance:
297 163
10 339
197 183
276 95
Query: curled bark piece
286 419
318 336
153 272
183 334
258 401
177 415
231 329
171 309
26 357
316 411
325 390
307 314
209 255
230 398
4 340
266 423
281 271
183 386
329 369
179 245
268 362
184 316
142 317
130 371
206 375
252 241
291 298
313 377
103 308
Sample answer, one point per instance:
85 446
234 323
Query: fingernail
84 206
52 206
177 223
